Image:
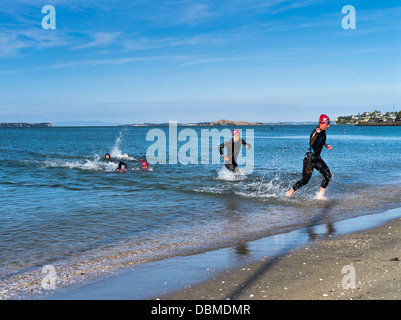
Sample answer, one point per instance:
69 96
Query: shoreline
276 267
379 124
362 265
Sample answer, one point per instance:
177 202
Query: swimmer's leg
306 175
232 167
324 170
322 167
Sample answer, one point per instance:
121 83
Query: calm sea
61 202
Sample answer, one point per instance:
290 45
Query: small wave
214 190
261 189
227 175
97 162
87 164
264 189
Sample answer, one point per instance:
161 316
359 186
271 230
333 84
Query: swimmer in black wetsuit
233 148
122 167
312 159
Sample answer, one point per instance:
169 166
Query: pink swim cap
236 132
324 119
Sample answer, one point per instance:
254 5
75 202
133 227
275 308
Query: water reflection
314 234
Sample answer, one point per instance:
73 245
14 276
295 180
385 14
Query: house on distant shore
369 117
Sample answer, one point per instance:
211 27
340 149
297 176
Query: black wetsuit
233 149
121 165
312 160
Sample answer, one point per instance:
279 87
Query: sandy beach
363 265
359 259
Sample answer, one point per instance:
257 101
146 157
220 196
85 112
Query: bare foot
289 193
320 194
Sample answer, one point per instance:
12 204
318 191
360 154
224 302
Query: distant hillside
85 124
222 122
25 125
235 123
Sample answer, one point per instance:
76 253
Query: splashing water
94 163
227 175
116 152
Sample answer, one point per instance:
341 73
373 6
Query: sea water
62 202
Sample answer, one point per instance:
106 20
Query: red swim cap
144 164
236 132
324 119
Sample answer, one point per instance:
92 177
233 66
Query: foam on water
95 162
227 175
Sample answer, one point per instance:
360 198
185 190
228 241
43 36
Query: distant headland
235 123
222 122
25 125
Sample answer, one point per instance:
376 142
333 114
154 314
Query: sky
121 62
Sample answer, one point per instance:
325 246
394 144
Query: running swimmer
233 148
312 159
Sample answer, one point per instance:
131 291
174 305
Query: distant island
235 123
222 122
25 125
374 118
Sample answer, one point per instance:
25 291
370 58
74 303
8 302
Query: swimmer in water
122 167
312 159
145 166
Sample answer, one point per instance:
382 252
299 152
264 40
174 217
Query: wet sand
286 266
323 269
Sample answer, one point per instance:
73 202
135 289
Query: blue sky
192 61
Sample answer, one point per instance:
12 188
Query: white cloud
98 39
13 41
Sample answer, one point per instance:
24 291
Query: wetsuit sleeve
313 137
246 143
121 164
223 145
